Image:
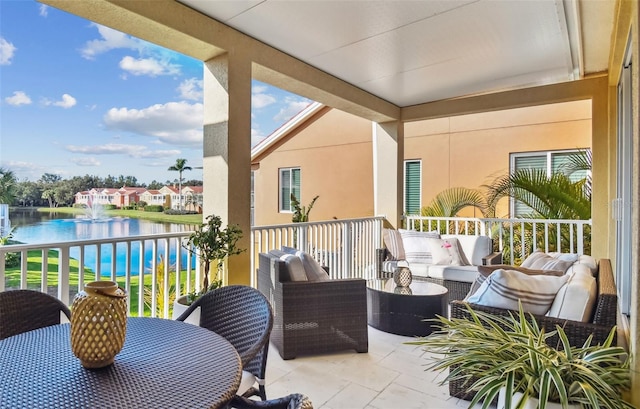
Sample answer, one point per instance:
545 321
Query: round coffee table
402 310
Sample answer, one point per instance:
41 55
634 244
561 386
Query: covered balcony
368 60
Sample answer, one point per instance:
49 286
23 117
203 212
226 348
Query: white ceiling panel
411 52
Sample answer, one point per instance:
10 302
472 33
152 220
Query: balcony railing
347 247
516 238
133 262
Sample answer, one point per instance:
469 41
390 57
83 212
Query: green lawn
34 268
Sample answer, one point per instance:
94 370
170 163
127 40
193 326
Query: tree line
54 191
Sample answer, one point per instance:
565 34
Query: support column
227 152
388 170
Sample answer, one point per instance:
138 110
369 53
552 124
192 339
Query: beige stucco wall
334 153
471 150
333 150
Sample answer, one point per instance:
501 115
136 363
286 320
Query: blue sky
78 98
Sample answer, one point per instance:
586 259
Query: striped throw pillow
393 243
504 288
542 261
416 245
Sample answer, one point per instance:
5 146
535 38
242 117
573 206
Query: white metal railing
347 247
516 238
131 261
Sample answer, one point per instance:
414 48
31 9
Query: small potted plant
213 245
508 358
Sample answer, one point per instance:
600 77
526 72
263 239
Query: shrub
176 211
153 208
109 207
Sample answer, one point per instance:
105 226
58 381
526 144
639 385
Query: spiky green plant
512 353
450 202
549 197
301 213
160 293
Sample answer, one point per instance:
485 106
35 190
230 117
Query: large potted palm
213 245
509 359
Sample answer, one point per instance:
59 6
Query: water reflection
33 228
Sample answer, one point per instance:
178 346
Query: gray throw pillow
314 270
295 269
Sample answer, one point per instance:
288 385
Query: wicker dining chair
243 316
293 401
26 310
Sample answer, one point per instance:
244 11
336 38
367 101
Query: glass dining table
163 364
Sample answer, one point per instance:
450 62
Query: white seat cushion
419 269
466 274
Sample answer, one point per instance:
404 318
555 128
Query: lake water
34 227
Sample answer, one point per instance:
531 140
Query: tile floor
391 375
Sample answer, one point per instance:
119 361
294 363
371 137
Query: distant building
167 196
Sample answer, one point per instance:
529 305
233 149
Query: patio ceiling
413 52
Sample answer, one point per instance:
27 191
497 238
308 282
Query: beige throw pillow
447 252
504 288
542 261
393 242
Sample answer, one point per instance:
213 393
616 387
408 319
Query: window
289 183
552 162
412 186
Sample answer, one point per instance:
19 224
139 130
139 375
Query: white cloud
148 66
256 137
44 10
191 89
66 102
292 107
176 123
29 170
90 161
18 98
111 39
133 151
7 51
260 99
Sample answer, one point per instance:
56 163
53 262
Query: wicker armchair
603 320
312 317
293 401
26 310
243 316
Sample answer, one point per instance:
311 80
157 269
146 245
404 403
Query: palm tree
450 202
180 167
8 186
548 197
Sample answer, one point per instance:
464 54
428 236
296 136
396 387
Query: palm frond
450 202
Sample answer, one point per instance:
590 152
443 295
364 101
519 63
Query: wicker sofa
603 319
478 250
312 317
